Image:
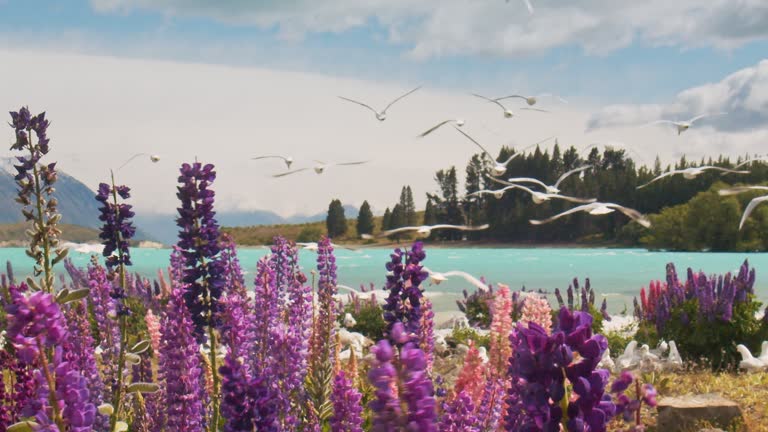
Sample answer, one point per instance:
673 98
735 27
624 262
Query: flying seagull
693 172
497 193
507 112
458 123
752 204
153 158
540 197
749 161
380 115
437 278
426 230
287 159
319 168
683 126
532 100
499 168
550 189
599 208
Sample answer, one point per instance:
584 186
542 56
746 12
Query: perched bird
497 193
550 189
499 168
599 208
349 321
661 349
628 358
380 115
288 160
752 204
319 168
748 362
540 197
673 361
532 100
457 122
692 173
437 278
606 362
507 112
426 230
764 352
683 126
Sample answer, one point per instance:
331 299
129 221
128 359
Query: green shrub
309 233
464 335
369 318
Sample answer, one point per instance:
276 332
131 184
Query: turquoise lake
617 272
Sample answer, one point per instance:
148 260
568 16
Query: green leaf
63 293
143 387
74 295
140 347
60 255
24 426
31 282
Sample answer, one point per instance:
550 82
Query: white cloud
743 95
494 27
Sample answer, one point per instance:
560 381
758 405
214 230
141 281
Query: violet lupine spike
266 304
570 297
283 261
238 324
236 407
383 377
405 275
78 276
232 270
23 390
265 410
118 229
326 292
180 365
417 393
80 348
176 268
299 332
604 310
489 411
347 410
459 415
427 333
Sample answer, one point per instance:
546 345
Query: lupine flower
630 408
326 290
501 327
383 377
79 349
472 376
266 304
233 273
489 410
426 333
236 407
459 415
118 229
405 275
347 410
33 323
536 309
417 393
153 328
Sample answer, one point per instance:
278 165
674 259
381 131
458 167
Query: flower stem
40 221
52 400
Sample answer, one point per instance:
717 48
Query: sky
223 81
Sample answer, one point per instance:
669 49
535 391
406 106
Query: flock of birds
644 358
589 206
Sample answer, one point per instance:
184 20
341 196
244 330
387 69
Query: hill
13 234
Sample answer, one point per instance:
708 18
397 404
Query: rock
685 412
461 350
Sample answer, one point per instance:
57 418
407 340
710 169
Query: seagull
499 168
606 362
748 362
288 160
673 359
380 115
625 360
599 208
748 161
764 352
752 204
532 100
319 168
312 246
458 123
683 126
497 193
426 230
692 173
507 113
550 189
152 157
437 278
540 197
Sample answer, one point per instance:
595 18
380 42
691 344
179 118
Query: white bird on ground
661 349
312 246
497 193
599 208
606 362
752 204
674 361
287 159
692 173
457 122
349 320
532 100
748 362
426 230
550 189
764 352
380 115
507 113
683 126
540 197
320 167
625 360
499 168
436 278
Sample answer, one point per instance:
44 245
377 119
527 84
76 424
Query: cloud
743 95
433 28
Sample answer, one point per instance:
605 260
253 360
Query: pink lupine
472 376
536 309
501 326
153 327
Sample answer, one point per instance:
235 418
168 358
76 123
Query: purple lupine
233 272
426 333
284 261
80 347
630 408
118 229
383 377
417 391
23 391
459 415
593 409
299 320
266 304
199 243
265 407
489 411
179 363
404 277
236 408
176 268
238 321
78 276
347 411
326 292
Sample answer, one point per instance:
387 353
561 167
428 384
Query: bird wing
748 161
529 6
496 101
460 227
576 209
476 143
270 156
666 174
397 230
290 172
469 278
534 109
527 180
699 117
518 153
573 171
725 170
352 163
393 102
664 121
359 103
740 189
750 207
632 213
573 199
505 183
508 97
432 129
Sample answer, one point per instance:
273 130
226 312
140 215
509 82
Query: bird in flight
692 173
507 112
550 189
532 100
319 168
540 197
287 159
599 208
752 204
426 230
749 161
380 115
497 193
152 157
457 122
499 168
438 277
683 126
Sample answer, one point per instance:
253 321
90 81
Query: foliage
368 316
464 335
310 234
477 307
364 219
335 222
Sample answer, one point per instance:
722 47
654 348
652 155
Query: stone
684 413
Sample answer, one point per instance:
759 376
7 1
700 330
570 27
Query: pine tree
364 219
407 206
386 220
430 213
450 211
397 219
335 222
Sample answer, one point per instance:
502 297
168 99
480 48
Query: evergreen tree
364 219
398 219
473 206
407 206
386 220
450 211
335 222
430 213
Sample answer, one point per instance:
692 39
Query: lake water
617 272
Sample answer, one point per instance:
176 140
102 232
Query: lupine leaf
143 387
